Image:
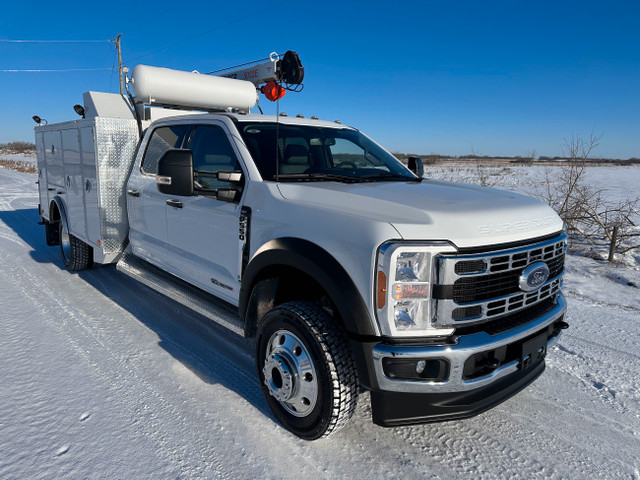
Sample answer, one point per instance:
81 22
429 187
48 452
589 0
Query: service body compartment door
90 185
42 176
53 157
73 184
53 160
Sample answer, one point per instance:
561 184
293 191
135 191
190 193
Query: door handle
174 203
133 193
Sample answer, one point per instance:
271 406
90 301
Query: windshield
308 153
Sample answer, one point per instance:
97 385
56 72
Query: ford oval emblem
533 277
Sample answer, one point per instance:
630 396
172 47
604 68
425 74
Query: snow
18 157
104 378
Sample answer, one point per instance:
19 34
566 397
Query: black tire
76 255
306 369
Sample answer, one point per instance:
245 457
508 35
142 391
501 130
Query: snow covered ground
102 378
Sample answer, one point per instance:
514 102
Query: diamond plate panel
116 142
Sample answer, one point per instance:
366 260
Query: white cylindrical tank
164 86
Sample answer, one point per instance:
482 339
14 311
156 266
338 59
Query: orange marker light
273 91
381 289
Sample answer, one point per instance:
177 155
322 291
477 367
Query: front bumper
401 402
392 409
458 353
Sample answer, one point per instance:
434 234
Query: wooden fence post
612 246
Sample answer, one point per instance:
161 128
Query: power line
6 40
57 70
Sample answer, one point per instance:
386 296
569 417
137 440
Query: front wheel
306 369
76 255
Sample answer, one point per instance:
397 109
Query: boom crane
271 73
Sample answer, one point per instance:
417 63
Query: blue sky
426 77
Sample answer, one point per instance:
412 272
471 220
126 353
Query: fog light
416 369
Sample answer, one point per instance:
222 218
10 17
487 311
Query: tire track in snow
73 322
84 339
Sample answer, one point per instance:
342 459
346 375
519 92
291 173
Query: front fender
319 264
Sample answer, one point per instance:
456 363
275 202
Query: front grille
484 287
506 323
479 288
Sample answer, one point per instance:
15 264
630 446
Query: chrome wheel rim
65 242
289 374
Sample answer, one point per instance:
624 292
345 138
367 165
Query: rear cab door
146 206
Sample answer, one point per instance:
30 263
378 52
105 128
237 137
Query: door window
212 153
162 139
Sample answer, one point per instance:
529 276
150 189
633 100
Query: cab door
202 231
146 206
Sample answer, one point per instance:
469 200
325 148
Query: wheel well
288 267
278 284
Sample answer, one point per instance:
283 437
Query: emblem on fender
533 277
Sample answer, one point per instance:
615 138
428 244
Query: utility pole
120 63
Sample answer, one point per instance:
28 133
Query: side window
162 139
212 153
347 153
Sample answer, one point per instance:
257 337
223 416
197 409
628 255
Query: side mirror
175 173
416 166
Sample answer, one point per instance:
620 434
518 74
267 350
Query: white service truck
351 271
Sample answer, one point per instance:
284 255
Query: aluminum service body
85 165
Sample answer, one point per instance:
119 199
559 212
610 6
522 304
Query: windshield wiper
316 177
390 176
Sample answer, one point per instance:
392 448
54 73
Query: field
103 378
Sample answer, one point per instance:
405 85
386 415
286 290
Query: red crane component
273 91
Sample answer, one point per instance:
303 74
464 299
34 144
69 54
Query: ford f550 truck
351 271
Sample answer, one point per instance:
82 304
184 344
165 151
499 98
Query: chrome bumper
458 353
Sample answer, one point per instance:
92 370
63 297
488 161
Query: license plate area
533 351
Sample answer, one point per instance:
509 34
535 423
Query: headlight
404 279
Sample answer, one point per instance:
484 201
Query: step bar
180 291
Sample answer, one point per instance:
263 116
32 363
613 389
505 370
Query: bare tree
590 216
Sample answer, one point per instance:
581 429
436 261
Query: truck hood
466 215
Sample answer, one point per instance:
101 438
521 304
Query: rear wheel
76 255
306 369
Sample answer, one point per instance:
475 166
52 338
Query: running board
180 291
